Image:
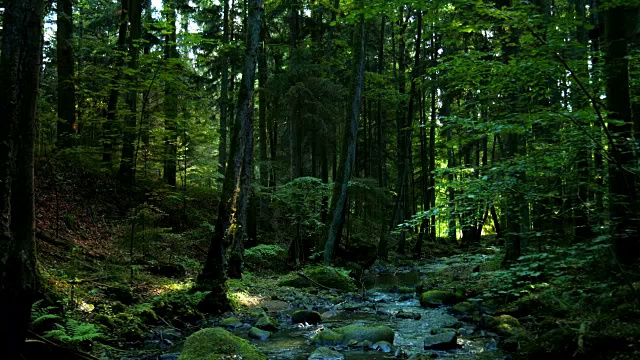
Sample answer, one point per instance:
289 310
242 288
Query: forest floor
117 291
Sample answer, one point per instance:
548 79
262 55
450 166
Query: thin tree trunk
114 93
170 96
126 172
66 87
339 196
223 102
239 171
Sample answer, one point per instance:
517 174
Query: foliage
265 257
557 268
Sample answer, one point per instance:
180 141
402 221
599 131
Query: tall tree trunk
19 74
623 208
114 93
223 102
170 96
234 202
348 153
262 103
126 172
66 81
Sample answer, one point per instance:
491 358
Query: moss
371 333
105 320
464 307
506 325
218 344
354 334
435 298
324 275
328 337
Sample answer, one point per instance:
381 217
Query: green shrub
266 257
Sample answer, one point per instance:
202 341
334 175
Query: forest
319 179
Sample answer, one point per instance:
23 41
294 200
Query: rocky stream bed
388 298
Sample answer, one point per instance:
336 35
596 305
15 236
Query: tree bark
348 153
19 73
66 82
170 96
623 208
237 182
224 92
114 93
126 173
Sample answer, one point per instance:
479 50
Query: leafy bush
266 257
558 266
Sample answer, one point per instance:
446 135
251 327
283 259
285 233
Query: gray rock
383 346
325 353
442 341
259 334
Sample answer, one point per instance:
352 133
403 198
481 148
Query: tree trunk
19 73
223 102
170 96
114 93
623 209
237 183
348 153
126 172
66 88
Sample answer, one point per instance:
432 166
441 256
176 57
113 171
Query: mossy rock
326 276
462 308
265 322
306 317
347 335
231 323
328 337
325 353
371 333
435 298
506 325
259 334
218 344
105 320
146 315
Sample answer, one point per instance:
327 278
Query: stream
387 295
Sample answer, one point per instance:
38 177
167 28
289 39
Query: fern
74 332
41 314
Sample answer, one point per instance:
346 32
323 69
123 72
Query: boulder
218 343
306 317
506 325
351 334
383 346
370 333
462 308
435 298
259 334
325 353
327 337
441 341
231 323
265 322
